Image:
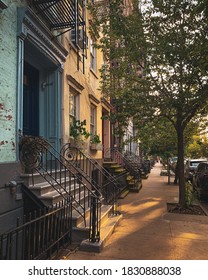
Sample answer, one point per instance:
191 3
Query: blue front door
50 108
41 103
30 100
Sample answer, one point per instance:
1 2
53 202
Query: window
80 39
73 105
200 167
93 62
93 115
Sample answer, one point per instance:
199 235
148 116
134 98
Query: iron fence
39 155
40 235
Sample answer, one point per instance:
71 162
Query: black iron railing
117 155
133 167
61 14
40 235
37 155
109 186
144 164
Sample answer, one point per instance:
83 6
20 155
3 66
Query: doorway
30 100
41 95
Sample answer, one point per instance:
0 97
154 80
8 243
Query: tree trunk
180 166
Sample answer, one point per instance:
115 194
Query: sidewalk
148 232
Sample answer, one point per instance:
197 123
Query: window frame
93 55
93 119
74 103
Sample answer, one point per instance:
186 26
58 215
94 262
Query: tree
168 41
198 147
176 59
155 140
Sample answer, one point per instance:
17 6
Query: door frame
31 32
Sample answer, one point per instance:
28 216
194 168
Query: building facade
49 74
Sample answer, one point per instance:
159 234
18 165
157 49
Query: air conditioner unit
81 40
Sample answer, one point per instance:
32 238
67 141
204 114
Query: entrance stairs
116 169
44 192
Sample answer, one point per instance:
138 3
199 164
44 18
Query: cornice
106 103
93 98
74 82
29 23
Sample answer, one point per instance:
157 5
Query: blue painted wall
8 77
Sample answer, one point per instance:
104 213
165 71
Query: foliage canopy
156 63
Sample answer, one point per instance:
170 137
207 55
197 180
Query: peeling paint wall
11 202
8 76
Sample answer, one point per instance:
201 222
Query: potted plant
78 133
94 142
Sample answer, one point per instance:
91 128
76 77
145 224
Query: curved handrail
38 154
110 189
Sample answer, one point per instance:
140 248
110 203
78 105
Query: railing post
93 219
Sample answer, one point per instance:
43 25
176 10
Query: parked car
200 180
190 167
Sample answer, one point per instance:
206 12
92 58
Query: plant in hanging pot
78 133
95 142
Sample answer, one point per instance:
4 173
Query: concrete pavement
148 232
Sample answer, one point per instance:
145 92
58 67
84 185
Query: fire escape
64 16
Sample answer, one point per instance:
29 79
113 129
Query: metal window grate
61 14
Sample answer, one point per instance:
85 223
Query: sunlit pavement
148 232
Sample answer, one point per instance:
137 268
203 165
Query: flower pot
96 147
78 143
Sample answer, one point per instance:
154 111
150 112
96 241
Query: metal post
168 169
93 219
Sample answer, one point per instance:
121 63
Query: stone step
45 187
81 230
136 189
107 230
130 183
129 178
124 194
36 178
54 197
77 215
109 163
120 170
145 176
